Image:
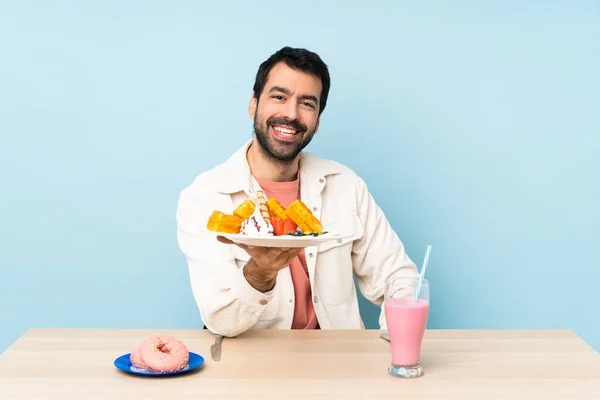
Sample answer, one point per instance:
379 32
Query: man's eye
308 104
278 97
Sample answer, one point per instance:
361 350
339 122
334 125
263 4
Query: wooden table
78 364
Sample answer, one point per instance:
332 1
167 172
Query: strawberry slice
277 226
288 226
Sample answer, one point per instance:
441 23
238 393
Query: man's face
287 114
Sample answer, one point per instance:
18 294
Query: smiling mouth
285 130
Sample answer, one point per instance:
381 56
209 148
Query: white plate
281 241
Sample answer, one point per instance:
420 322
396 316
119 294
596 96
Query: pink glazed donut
163 354
135 359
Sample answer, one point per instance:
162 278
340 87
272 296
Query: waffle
275 209
245 209
220 222
303 217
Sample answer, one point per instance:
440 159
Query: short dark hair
298 59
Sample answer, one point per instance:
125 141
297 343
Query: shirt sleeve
379 254
228 304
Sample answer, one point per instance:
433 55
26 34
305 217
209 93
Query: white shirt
229 305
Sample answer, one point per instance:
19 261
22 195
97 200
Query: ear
317 126
252 106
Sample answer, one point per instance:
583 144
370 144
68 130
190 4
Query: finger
283 254
266 252
293 251
227 241
223 239
290 255
244 247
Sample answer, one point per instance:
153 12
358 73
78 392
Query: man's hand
265 262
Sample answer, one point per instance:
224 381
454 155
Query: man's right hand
265 263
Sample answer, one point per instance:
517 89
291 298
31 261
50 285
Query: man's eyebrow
310 97
279 89
287 92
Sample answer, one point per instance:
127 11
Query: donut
135 359
164 353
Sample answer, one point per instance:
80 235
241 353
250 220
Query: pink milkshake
406 322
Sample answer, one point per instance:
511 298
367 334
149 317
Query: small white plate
281 241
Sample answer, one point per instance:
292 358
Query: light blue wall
476 127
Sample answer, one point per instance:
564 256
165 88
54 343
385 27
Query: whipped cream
255 225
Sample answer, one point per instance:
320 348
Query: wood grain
283 364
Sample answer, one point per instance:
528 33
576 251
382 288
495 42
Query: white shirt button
315 299
263 302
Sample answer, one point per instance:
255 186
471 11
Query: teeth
284 131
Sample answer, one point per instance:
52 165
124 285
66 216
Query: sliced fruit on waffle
288 226
277 226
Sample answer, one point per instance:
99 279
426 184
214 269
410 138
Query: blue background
476 127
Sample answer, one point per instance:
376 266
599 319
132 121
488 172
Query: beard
277 150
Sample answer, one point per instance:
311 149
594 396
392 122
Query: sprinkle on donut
161 353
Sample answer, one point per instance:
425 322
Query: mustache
297 125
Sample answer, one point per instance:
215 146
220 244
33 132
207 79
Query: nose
291 110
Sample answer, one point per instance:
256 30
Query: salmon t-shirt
304 312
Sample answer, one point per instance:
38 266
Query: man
238 287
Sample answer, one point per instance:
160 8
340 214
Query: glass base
406 371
